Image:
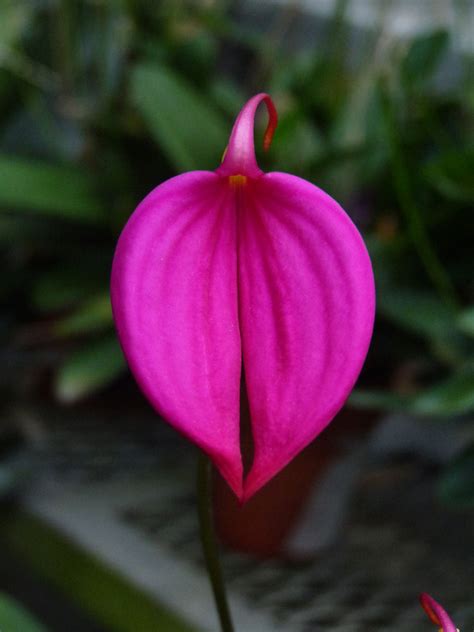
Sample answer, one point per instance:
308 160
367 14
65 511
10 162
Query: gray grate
369 582
397 541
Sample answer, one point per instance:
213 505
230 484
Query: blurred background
100 102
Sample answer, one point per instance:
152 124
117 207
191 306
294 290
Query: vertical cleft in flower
238 271
437 614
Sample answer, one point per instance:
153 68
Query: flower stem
209 542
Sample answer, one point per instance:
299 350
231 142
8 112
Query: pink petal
174 298
437 613
306 309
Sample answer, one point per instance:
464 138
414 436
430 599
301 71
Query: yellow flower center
237 181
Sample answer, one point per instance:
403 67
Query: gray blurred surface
124 490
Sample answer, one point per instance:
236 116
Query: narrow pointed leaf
466 321
454 396
423 57
14 618
421 312
190 132
49 190
94 315
89 369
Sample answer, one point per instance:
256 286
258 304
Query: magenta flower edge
236 270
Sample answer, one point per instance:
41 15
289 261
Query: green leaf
48 189
466 321
94 315
14 618
451 174
89 369
196 54
226 95
379 400
421 312
454 396
297 143
97 588
423 56
456 486
64 287
16 19
418 311
190 132
353 121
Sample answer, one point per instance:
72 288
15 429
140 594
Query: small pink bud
437 613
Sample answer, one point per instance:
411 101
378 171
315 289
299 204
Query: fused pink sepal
212 269
437 613
306 306
174 300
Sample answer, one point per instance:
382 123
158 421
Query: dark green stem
209 542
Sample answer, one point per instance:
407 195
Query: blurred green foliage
14 617
101 101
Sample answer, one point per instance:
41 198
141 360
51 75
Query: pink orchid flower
236 271
437 613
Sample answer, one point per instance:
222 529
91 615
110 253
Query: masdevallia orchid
236 271
437 614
